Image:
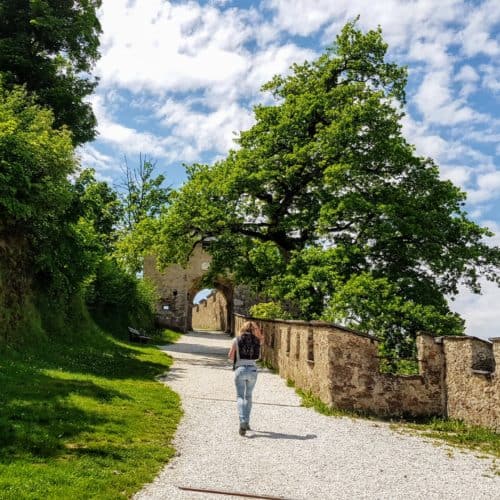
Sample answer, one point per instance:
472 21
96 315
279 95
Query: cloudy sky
178 79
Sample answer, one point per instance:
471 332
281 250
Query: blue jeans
244 379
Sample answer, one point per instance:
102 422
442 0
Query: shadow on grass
107 357
37 412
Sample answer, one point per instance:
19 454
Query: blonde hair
248 326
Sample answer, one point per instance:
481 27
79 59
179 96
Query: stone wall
210 313
176 286
341 367
472 380
458 376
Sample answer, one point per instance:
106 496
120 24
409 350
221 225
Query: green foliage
376 306
309 400
142 192
83 418
132 245
325 197
99 206
51 46
167 336
35 160
118 299
42 244
269 310
143 198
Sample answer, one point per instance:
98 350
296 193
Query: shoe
242 430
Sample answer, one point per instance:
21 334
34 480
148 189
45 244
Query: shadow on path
187 348
279 435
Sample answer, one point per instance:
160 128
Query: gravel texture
294 452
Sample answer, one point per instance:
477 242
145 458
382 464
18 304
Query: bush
117 299
269 310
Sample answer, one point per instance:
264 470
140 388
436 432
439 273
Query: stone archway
214 312
177 286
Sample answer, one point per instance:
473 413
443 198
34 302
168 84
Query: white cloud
468 77
438 105
480 34
125 140
479 311
302 17
488 187
467 74
90 157
209 131
491 77
160 46
404 24
459 175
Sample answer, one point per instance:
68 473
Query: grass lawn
84 421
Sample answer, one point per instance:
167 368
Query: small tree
143 198
142 193
100 206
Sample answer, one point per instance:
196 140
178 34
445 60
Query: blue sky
178 79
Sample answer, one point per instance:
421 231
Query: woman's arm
231 353
258 332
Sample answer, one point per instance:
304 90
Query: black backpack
248 346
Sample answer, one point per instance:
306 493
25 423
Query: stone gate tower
177 286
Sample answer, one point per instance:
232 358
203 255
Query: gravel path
294 452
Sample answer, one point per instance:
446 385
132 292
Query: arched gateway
177 287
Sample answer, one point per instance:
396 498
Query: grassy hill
83 417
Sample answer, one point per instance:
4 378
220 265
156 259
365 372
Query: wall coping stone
311 323
466 337
327 324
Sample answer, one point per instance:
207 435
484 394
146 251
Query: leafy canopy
38 216
51 46
325 198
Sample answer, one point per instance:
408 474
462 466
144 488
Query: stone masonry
472 380
176 287
456 377
210 313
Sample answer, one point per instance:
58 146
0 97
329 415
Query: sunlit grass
456 433
166 337
452 432
84 421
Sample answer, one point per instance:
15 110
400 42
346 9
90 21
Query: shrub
269 310
118 299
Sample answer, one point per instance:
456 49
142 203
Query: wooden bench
136 336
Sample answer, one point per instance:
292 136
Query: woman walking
244 353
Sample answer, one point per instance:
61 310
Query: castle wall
210 313
341 367
176 287
472 380
458 376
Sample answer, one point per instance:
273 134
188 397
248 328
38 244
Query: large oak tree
326 204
